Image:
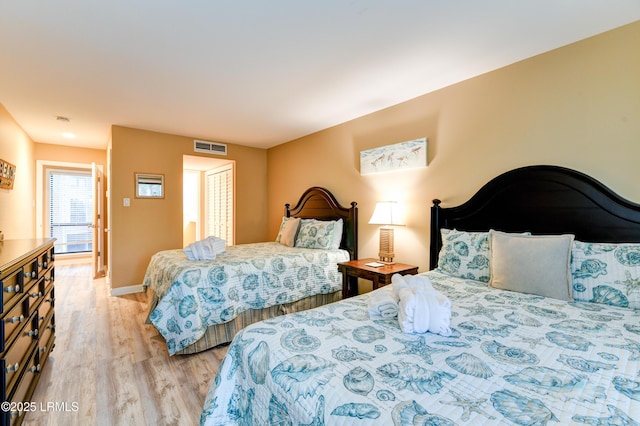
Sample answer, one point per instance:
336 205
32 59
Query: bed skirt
223 333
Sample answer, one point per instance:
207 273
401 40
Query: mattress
512 358
193 295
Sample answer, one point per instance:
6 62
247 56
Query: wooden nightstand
379 276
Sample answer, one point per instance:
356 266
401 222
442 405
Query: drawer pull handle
50 300
12 289
16 319
32 333
51 327
46 265
47 279
34 295
30 274
11 368
35 369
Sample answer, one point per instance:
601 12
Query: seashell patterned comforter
193 295
513 358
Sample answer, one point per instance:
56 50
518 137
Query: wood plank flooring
110 368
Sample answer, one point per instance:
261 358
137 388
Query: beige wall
17 205
70 154
151 225
577 106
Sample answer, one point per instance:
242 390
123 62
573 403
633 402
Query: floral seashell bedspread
512 358
193 295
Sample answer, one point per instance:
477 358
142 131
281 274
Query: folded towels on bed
398 282
206 249
383 303
421 309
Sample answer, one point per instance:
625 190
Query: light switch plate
126 202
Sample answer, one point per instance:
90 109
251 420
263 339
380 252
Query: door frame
41 231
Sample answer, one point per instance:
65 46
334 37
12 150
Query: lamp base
386 253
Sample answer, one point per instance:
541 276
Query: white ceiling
256 72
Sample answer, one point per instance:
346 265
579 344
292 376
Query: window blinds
219 203
70 210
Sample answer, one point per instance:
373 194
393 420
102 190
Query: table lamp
387 213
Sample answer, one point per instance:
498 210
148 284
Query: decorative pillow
336 239
465 254
535 264
316 234
289 231
606 273
284 220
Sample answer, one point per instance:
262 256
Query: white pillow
535 264
336 239
289 232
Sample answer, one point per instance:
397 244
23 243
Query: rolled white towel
422 310
439 314
398 282
382 303
421 281
206 249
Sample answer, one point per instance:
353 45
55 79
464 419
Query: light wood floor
112 366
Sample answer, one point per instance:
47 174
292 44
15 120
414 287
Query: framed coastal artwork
399 156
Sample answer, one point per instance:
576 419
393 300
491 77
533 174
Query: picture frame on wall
399 156
7 174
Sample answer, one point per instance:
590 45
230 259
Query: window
70 209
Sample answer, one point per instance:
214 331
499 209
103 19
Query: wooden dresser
27 323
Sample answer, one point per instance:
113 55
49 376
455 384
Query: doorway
208 199
69 207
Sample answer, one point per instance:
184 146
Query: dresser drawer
46 325
35 295
25 387
12 322
12 285
44 260
18 353
49 277
47 341
29 273
48 302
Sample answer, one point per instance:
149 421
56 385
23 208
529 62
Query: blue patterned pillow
606 273
465 254
317 234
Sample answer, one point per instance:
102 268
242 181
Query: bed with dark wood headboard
196 305
541 199
319 203
485 353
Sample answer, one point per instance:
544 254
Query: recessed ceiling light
69 135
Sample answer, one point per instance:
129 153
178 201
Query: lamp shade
387 213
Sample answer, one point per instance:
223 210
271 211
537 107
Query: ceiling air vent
209 147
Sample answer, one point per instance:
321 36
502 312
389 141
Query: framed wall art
149 185
7 174
399 156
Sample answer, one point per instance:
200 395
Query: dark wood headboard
319 203
541 200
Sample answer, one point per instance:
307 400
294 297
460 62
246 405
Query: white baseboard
121 291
